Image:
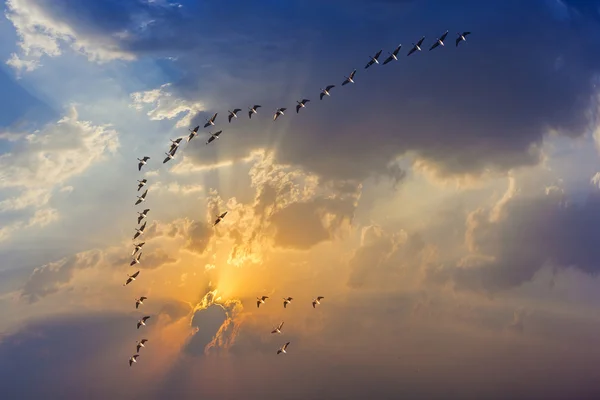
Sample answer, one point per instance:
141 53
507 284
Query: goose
317 301
136 260
325 92
140 231
142 215
142 162
213 136
142 322
131 278
261 300
211 121
374 59
286 301
283 348
439 41
301 104
278 112
393 55
140 344
278 328
137 247
133 359
170 155
416 47
175 143
349 78
219 218
141 198
233 114
253 110
142 183
193 132
462 37
139 302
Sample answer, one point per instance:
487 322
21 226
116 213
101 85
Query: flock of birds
210 122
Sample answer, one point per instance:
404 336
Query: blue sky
458 188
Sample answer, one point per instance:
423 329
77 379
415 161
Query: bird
137 247
131 278
136 260
213 136
301 104
140 231
283 348
278 112
133 359
374 59
142 183
193 132
140 344
211 121
175 143
278 328
416 46
393 55
142 162
252 110
142 215
349 78
233 114
170 155
141 198
439 41
261 300
462 37
139 302
317 301
286 301
325 92
219 218
142 322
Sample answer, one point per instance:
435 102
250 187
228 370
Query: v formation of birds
233 114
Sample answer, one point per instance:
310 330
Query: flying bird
261 300
142 183
141 198
137 247
393 55
131 278
278 112
141 344
136 260
349 78
283 348
325 92
133 359
253 110
140 231
211 121
219 218
170 155
416 47
301 104
286 301
439 41
233 114
317 301
142 322
278 328
174 144
374 59
213 136
193 132
462 37
139 302
142 162
142 215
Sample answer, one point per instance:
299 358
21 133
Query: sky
445 205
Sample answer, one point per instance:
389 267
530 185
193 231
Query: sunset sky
446 205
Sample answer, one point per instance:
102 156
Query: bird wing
282 109
140 164
210 139
387 60
397 49
132 263
218 133
280 325
143 226
140 218
136 274
230 117
137 233
140 185
314 304
320 298
298 107
443 37
412 51
166 160
436 44
256 106
142 299
137 304
420 42
369 64
237 110
145 211
377 54
207 124
257 304
138 347
191 136
144 194
128 281
285 346
305 101
345 82
265 297
139 324
466 33
130 363
250 114
321 96
145 318
352 74
279 351
214 117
